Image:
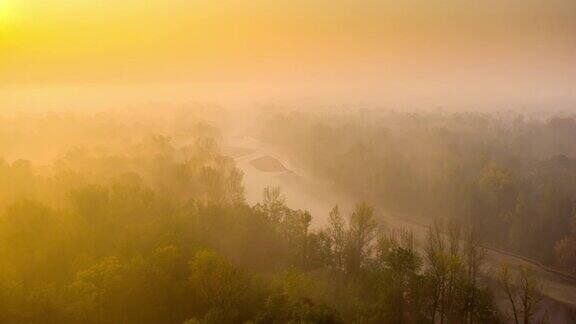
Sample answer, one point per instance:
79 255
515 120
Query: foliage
150 231
509 176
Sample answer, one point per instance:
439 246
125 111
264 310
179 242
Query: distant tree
273 204
565 249
234 186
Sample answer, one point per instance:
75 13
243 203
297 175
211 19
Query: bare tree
522 292
337 234
444 260
361 236
474 257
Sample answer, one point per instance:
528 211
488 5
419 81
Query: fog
310 94
287 161
270 196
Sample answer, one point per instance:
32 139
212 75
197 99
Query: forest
139 218
287 161
507 175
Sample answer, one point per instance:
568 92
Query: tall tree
337 234
523 293
361 237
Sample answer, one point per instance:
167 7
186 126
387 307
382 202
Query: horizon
507 52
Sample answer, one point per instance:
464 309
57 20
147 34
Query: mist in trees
510 176
144 220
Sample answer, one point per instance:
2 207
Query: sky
521 50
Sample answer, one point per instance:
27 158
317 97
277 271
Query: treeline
41 137
153 232
509 176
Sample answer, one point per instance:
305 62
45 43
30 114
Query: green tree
222 287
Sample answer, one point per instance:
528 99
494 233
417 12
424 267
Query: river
303 191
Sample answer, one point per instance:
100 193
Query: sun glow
3 11
413 44
7 15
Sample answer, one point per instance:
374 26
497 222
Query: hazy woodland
287 161
140 216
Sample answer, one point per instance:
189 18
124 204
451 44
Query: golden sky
526 43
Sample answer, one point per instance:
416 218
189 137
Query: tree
444 270
522 292
294 299
235 189
565 249
94 295
403 291
474 257
337 234
295 229
220 286
363 230
273 204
